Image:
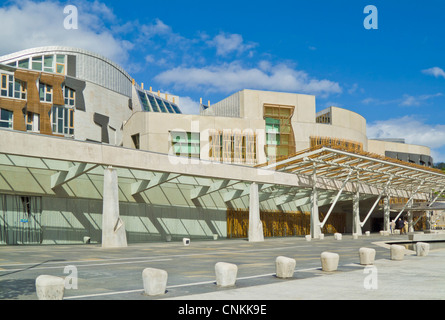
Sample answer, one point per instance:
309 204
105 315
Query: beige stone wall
106 102
154 128
379 147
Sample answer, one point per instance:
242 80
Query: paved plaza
116 274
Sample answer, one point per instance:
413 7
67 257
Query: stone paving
105 274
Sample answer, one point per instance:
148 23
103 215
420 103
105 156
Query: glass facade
279 133
53 63
154 103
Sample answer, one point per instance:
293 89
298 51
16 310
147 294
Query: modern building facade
184 183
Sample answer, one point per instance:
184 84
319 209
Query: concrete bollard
155 281
337 236
308 237
367 233
422 249
285 267
397 252
329 261
366 255
86 240
168 238
50 287
321 237
354 236
186 241
225 274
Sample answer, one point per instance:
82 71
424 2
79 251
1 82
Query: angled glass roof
154 103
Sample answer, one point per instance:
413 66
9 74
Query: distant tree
440 165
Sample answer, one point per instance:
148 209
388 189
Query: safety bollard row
155 280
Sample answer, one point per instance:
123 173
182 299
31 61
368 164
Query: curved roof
51 49
89 66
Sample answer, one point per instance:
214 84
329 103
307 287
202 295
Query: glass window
60 58
11 86
60 64
7 85
70 97
185 144
60 68
153 103
45 92
175 107
6 117
169 107
4 85
32 121
161 105
24 63
62 120
48 63
37 63
272 131
144 101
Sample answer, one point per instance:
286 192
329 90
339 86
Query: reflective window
45 92
144 101
154 105
70 97
60 63
62 120
37 63
32 121
7 85
175 107
6 118
161 105
24 63
48 63
169 107
185 144
20 89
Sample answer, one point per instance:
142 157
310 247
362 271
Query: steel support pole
315 219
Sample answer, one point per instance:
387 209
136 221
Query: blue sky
394 76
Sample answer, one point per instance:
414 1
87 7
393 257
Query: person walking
392 226
400 225
405 226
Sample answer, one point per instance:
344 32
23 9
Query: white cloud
233 77
27 24
406 100
434 71
188 105
413 130
353 88
417 101
227 43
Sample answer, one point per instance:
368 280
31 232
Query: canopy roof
364 167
